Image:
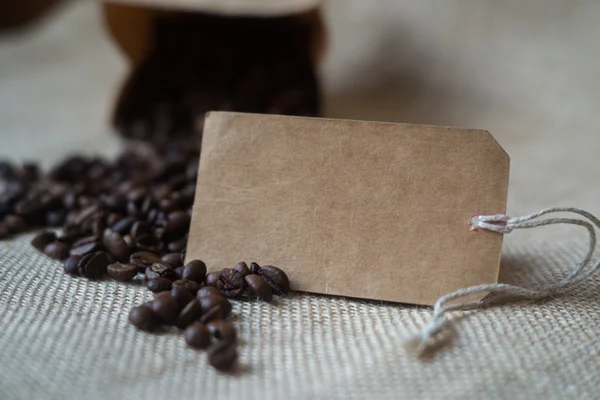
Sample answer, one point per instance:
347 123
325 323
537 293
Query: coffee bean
83 246
43 239
113 201
222 354
122 272
206 291
231 283
254 268
130 241
173 259
94 265
116 245
178 272
143 317
222 329
197 335
4 231
178 223
212 278
165 306
213 314
82 263
178 245
160 270
195 271
190 312
209 302
149 243
55 218
259 287
191 286
141 228
182 295
15 223
276 278
123 225
70 265
57 250
157 285
242 268
143 259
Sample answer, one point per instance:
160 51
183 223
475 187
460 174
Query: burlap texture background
526 71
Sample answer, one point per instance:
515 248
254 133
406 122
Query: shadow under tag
362 209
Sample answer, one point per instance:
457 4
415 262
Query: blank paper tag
361 209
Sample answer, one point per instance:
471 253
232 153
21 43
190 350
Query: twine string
428 337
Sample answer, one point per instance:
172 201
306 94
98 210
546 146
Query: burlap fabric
527 73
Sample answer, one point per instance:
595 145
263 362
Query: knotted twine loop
427 339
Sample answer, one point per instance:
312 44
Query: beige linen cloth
525 70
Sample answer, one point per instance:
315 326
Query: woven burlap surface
526 74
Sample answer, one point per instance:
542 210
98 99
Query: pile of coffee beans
183 302
130 216
201 63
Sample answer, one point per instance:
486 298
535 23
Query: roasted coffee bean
213 314
187 284
254 268
83 246
195 271
221 329
15 223
190 312
259 287
141 228
70 265
55 218
197 336
231 283
221 301
165 306
137 194
173 259
206 291
242 268
157 285
160 270
276 278
4 231
211 279
182 296
116 245
178 273
123 225
143 259
222 354
149 243
178 245
57 250
113 201
143 317
43 239
167 205
178 223
94 265
122 272
130 241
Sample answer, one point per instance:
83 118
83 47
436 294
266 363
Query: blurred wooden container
16 13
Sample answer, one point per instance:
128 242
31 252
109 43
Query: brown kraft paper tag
361 209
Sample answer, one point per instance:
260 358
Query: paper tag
361 209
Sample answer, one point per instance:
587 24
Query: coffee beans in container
201 63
